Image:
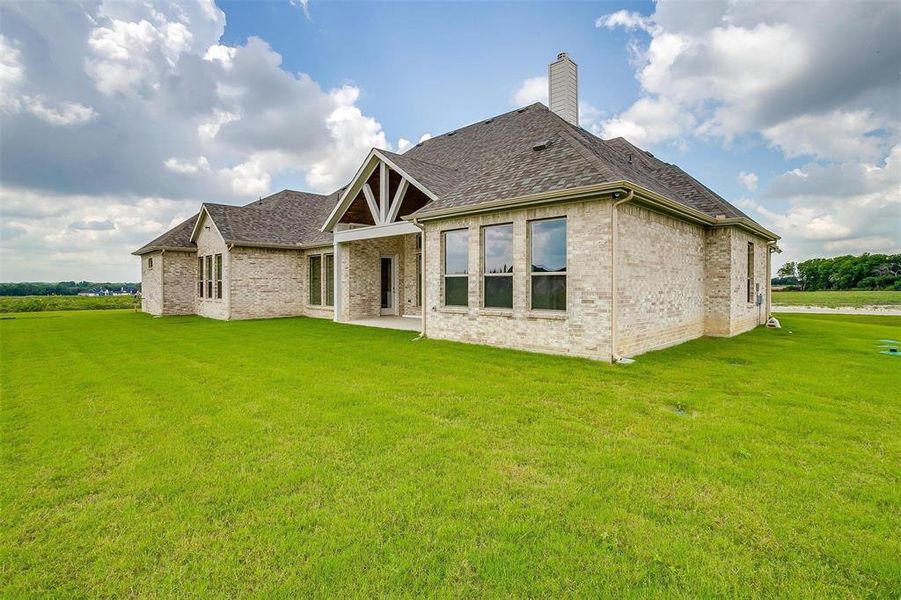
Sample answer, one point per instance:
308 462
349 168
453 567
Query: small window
315 280
329 279
497 266
200 277
548 264
150 263
750 279
456 268
209 276
219 276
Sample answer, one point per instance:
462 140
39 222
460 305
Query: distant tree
789 269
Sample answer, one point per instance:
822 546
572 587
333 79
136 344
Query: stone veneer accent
582 330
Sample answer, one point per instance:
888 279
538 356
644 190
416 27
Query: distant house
522 230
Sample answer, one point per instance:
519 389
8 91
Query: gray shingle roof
488 161
494 159
286 218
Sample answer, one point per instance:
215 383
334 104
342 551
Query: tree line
63 288
864 272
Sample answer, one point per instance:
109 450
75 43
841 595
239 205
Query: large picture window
208 273
219 276
315 280
200 277
456 268
497 266
329 279
548 264
750 278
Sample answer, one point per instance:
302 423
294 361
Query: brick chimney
563 88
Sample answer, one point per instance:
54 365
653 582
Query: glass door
387 279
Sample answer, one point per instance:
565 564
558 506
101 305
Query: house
522 230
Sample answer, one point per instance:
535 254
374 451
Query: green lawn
15 304
835 299
186 457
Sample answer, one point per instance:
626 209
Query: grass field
833 299
16 304
189 457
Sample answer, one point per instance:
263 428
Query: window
329 279
548 258
419 269
209 275
200 277
219 276
315 280
497 266
150 263
750 280
456 268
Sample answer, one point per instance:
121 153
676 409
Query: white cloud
403 145
533 89
626 19
153 116
749 180
839 135
187 167
65 114
304 6
795 76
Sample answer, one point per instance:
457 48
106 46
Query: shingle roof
285 218
487 161
494 159
176 238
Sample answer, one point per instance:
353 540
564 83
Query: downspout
422 261
614 235
228 302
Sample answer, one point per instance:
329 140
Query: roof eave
148 249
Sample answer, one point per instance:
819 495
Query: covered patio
391 322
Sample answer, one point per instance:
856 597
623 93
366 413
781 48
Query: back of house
522 230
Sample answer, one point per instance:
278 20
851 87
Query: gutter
643 195
614 238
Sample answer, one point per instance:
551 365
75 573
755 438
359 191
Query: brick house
522 230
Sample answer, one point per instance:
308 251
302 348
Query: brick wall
178 285
266 283
746 315
152 283
361 275
209 242
660 280
582 330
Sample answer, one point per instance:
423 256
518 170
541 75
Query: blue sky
119 118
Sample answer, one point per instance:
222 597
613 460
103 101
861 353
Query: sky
117 119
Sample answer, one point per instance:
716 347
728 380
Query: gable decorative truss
383 207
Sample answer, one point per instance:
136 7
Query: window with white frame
547 252
329 277
208 271
219 276
497 266
456 267
315 279
200 277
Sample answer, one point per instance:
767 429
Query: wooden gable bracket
383 209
